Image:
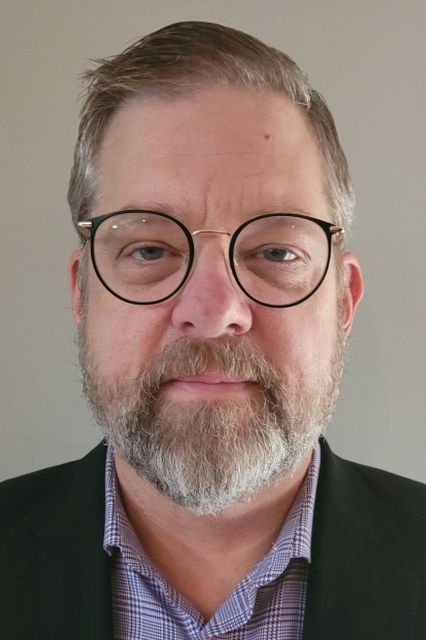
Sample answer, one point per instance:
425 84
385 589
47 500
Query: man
213 297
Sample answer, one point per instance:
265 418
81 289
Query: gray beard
207 455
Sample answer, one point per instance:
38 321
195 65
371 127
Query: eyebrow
154 206
150 220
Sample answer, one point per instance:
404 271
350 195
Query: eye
148 253
275 254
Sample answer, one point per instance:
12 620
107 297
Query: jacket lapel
65 576
356 590
61 575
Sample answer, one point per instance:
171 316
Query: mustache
190 357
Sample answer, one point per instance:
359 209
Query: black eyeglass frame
331 230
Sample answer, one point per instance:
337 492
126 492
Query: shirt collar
294 540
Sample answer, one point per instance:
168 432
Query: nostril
187 325
211 318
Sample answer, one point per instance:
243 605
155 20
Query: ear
353 289
74 285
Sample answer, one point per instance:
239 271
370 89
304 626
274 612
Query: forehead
221 154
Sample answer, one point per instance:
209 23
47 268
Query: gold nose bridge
200 231
221 232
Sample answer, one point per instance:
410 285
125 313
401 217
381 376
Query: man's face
213 160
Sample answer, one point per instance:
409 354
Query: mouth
209 384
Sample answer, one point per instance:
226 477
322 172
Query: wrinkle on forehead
207 156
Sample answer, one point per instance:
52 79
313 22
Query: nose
211 305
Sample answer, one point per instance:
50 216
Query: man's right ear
74 281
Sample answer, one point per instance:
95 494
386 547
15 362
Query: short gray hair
179 59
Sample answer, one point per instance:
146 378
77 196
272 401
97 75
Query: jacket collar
353 576
66 545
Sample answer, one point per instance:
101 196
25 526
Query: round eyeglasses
145 257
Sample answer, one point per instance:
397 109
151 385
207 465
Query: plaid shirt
268 603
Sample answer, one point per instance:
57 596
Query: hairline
142 97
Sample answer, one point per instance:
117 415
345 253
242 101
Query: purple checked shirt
268 604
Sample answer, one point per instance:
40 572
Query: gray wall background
366 56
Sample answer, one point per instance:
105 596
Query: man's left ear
353 289
74 285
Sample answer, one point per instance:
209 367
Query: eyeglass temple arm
84 226
337 232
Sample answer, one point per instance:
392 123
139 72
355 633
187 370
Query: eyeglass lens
145 257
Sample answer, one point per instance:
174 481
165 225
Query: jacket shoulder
368 554
55 573
375 503
392 490
19 494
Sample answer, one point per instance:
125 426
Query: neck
204 557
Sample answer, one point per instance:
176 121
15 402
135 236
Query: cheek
300 338
122 337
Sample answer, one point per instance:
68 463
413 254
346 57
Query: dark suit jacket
368 555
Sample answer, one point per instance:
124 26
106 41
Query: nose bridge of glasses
198 232
206 232
209 257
